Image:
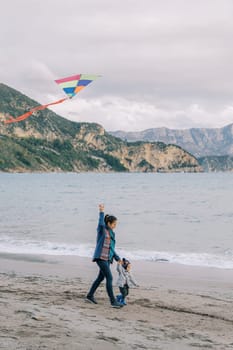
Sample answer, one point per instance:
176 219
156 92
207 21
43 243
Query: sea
171 218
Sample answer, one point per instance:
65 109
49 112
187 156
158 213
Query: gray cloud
163 62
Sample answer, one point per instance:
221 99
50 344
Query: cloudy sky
163 62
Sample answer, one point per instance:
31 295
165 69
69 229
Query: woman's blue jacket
101 231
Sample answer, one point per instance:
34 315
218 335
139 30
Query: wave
14 246
223 261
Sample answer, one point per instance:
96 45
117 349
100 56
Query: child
125 280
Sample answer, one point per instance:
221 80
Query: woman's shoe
116 305
91 299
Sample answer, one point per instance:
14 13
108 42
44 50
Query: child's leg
122 290
119 297
124 293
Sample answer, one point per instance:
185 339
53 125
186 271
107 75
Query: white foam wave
14 246
188 258
44 248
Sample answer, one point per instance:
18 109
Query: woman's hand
101 208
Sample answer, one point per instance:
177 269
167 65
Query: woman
104 255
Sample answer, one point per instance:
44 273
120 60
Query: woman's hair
109 219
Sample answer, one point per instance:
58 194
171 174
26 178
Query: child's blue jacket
101 231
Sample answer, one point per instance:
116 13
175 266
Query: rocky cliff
48 142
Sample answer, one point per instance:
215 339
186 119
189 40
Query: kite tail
27 114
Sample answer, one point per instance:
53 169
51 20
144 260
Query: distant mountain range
46 142
212 147
199 142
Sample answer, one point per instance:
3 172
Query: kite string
38 108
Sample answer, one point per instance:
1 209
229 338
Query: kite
70 85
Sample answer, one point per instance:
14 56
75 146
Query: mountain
199 142
47 142
216 163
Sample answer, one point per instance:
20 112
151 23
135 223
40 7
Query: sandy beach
175 307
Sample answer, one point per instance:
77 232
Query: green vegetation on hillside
39 155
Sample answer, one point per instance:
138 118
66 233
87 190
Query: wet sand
43 306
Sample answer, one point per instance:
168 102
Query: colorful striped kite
70 85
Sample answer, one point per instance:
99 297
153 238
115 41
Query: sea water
181 218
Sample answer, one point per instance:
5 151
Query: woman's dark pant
104 272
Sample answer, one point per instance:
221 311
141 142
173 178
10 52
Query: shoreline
175 307
148 273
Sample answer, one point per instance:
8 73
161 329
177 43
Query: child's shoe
119 298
